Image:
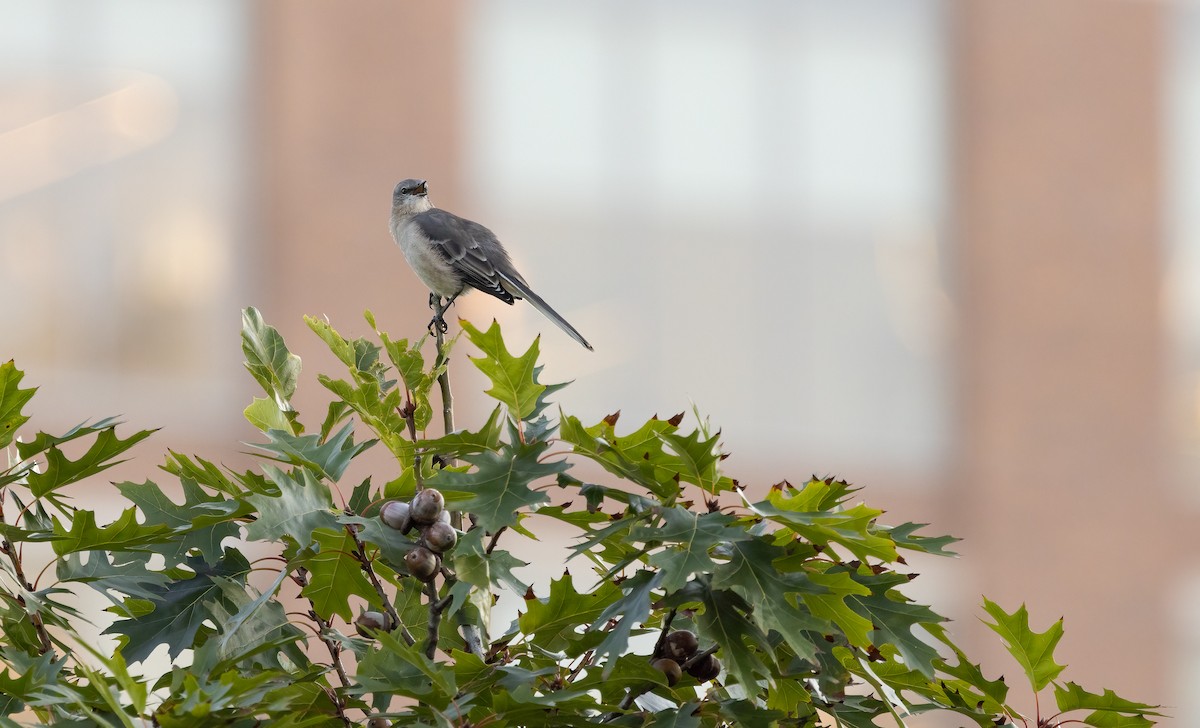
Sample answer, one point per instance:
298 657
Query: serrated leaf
552 622
894 618
499 486
1074 697
125 533
302 506
692 535
178 609
201 522
329 458
1108 719
726 621
752 572
625 673
514 378
335 575
125 573
12 400
968 676
629 611
852 528
1033 651
61 470
905 537
394 667
638 456
270 363
697 457
264 414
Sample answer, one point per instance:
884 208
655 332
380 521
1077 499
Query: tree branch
14 558
360 553
471 634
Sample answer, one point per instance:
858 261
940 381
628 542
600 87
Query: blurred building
949 251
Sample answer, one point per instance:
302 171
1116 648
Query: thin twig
335 648
471 634
698 657
408 412
360 553
662 635
35 619
495 537
436 607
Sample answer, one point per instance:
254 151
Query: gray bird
452 255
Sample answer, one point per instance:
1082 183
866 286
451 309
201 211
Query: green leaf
1108 719
264 414
693 535
335 575
514 379
201 522
61 470
752 572
1074 697
551 622
303 505
894 618
396 668
124 572
270 363
726 621
638 456
853 528
1033 651
178 609
329 458
475 566
630 610
626 673
905 537
125 533
499 486
969 677
12 400
697 457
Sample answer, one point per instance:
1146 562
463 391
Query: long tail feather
522 289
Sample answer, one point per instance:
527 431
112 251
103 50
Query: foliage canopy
692 604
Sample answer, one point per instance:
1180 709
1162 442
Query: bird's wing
470 248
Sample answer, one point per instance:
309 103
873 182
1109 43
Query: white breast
429 266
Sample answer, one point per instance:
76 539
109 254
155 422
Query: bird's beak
420 190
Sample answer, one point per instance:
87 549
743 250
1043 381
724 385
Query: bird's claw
438 324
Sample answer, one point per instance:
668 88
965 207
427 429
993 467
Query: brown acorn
422 563
670 669
427 506
680 645
395 514
706 669
368 623
440 537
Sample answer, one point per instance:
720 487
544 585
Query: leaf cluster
289 599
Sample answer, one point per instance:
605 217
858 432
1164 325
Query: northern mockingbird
452 255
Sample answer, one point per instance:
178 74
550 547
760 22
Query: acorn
440 537
368 623
670 669
422 563
427 506
706 669
680 645
396 514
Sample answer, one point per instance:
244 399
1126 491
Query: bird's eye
406 190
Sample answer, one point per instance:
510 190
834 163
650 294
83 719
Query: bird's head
410 197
